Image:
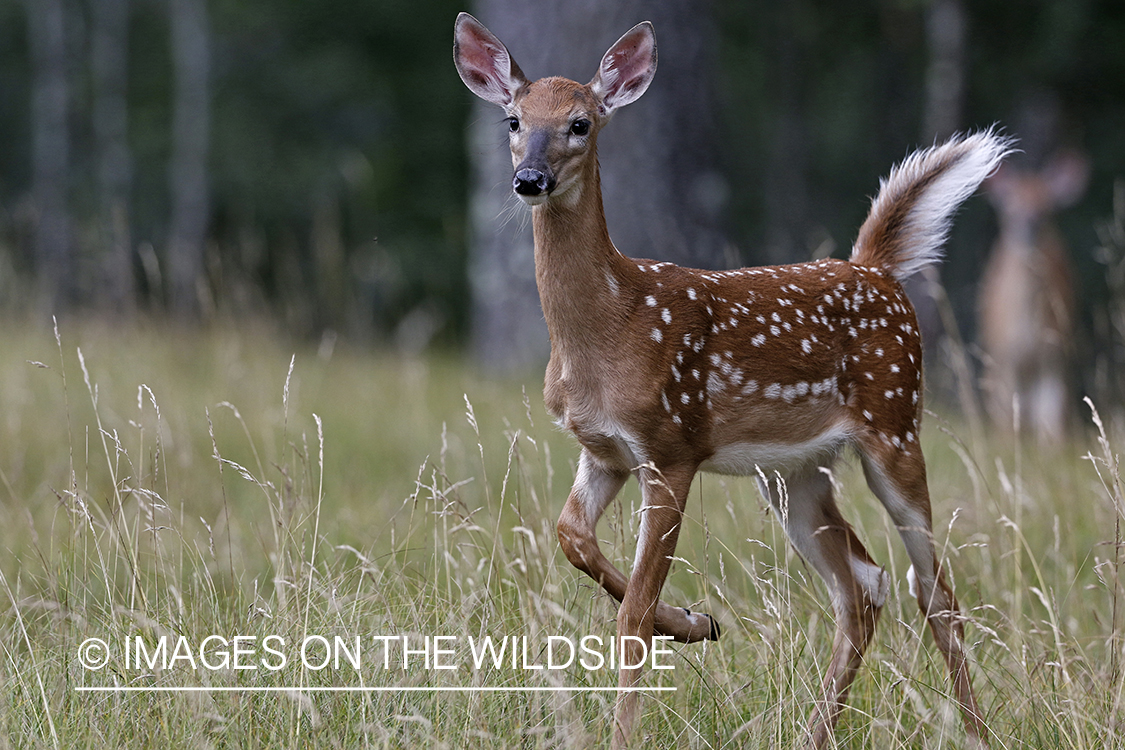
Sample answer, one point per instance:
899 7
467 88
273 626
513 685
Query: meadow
236 498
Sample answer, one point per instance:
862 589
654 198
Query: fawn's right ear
483 62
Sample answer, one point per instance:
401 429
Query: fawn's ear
483 62
626 69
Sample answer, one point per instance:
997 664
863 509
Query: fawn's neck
583 280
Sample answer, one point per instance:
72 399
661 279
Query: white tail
1026 303
911 215
662 371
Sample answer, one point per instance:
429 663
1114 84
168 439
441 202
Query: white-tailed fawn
1026 301
661 371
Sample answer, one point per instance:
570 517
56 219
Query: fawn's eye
580 127
513 124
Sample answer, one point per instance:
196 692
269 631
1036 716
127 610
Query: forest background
320 165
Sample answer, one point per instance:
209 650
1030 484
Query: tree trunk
664 193
109 53
786 180
191 135
945 74
50 109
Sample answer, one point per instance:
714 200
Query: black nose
532 182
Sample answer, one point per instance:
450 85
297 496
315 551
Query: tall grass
161 484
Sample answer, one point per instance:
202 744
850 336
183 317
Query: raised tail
910 217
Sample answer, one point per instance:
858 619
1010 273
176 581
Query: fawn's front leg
664 495
594 488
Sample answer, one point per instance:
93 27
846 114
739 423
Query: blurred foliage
337 163
346 119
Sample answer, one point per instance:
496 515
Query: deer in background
1026 302
661 372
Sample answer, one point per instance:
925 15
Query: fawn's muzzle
532 182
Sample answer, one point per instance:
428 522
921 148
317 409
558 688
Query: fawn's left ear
484 63
626 69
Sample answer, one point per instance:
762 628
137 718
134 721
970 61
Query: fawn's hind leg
897 476
858 586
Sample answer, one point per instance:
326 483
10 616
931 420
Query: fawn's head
1024 198
552 123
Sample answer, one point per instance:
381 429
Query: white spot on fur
715 384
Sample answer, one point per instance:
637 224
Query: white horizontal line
321 689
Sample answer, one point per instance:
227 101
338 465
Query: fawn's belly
750 458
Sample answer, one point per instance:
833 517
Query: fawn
1026 301
662 372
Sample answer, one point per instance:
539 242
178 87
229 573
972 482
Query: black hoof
714 633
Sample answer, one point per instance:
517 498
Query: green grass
155 483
